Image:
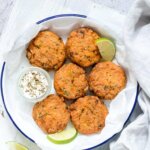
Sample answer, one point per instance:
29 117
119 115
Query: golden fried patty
46 50
51 114
70 81
107 79
88 114
81 47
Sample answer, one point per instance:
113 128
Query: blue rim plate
3 99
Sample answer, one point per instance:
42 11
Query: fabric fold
136 135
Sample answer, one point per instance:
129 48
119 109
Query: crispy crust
51 114
46 50
81 47
88 114
106 80
70 81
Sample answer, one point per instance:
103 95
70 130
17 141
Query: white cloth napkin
136 136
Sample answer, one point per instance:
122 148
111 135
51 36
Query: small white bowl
41 71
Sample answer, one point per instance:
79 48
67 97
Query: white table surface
5 9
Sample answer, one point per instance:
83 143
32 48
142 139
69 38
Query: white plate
19 111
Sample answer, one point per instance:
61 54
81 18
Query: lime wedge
16 146
106 48
63 137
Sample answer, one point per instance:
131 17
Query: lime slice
106 48
16 146
63 137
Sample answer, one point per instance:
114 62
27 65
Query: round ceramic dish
20 112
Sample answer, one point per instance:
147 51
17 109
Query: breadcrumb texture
88 114
70 81
46 50
81 47
106 80
51 114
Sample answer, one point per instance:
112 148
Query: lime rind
16 146
63 137
103 39
106 48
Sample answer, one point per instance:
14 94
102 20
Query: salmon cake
106 80
70 81
81 47
88 114
51 114
46 50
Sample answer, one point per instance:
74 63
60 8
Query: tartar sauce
33 84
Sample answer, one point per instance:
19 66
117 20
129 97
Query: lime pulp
63 137
106 48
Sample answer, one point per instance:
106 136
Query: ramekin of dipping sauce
34 84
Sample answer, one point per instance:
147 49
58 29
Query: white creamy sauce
33 84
